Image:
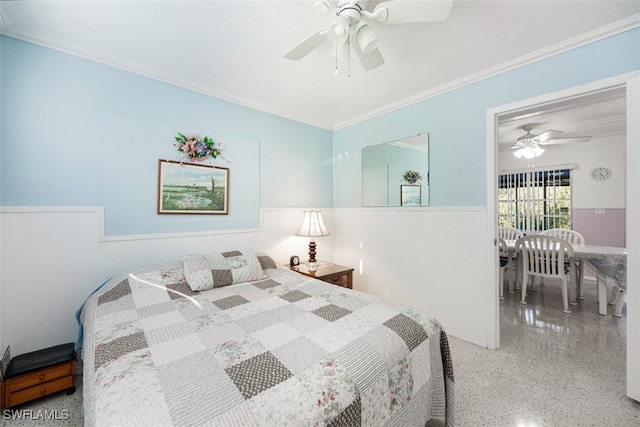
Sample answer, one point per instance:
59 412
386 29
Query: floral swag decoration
197 149
412 177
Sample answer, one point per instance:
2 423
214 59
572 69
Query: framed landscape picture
187 188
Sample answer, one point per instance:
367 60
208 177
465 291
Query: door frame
632 82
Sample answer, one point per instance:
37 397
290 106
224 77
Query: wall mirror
396 173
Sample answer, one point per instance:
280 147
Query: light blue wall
456 120
55 108
79 133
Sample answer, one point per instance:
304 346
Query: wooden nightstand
39 373
330 273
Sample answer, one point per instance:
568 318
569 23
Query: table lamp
312 226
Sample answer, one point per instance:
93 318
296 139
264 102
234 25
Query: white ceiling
234 49
598 114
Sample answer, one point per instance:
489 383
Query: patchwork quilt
284 350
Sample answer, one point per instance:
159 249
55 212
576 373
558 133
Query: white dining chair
509 233
544 256
565 234
504 258
574 238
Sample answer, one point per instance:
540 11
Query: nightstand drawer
39 390
39 377
335 274
340 280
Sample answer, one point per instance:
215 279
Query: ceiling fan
350 26
529 145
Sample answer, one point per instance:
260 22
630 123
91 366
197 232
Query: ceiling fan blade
369 60
569 140
548 135
408 11
307 46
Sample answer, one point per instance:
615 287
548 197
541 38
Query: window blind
535 201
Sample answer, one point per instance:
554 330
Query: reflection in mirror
396 173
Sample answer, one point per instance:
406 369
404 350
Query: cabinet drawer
339 279
39 377
39 390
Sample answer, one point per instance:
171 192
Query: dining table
610 265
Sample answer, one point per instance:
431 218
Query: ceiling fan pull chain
349 60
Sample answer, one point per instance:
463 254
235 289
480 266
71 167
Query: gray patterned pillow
214 271
266 261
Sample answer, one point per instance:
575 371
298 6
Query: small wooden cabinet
330 273
38 374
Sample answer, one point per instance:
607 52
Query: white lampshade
366 38
312 225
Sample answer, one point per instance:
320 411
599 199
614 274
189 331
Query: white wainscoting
433 259
54 257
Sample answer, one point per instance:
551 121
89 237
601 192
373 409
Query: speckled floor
553 369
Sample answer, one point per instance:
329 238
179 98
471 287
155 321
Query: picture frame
188 188
411 195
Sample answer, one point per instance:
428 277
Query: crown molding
92 55
564 46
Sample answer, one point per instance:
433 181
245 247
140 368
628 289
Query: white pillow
214 271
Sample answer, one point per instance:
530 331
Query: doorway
631 84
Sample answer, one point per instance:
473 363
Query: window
535 201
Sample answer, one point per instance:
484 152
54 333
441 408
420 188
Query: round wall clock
600 173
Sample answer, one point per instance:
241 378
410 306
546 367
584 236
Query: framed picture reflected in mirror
411 195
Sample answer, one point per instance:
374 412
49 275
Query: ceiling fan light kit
367 38
529 152
339 30
349 27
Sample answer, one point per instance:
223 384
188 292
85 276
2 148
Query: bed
264 346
